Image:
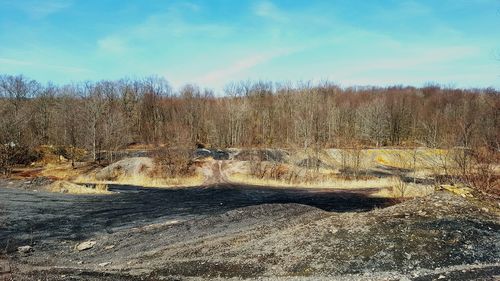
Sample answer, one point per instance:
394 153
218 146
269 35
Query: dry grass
398 189
330 183
60 171
413 190
72 188
458 190
426 161
388 186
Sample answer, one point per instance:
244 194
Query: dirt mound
129 168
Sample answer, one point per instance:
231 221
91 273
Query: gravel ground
226 232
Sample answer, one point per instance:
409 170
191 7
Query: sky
455 43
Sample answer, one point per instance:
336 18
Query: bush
399 187
172 163
286 173
11 155
484 177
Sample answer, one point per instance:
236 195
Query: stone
4 267
109 247
85 245
25 249
103 264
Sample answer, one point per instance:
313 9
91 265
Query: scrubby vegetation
399 172
173 163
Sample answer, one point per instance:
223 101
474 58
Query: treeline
108 115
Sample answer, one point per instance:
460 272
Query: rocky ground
224 231
441 236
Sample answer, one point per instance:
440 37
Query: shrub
399 187
172 163
484 177
11 155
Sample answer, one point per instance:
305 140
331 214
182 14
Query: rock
485 210
4 267
25 249
85 245
441 277
103 264
109 247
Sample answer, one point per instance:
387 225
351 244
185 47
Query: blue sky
213 42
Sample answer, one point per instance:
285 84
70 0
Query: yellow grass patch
411 190
459 190
72 188
330 183
387 185
60 171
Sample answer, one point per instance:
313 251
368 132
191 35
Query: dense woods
108 115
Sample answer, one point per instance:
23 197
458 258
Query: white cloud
417 58
6 62
160 27
216 76
414 66
39 9
112 45
267 9
220 76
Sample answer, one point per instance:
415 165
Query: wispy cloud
113 45
269 10
421 62
173 23
166 25
419 57
15 62
38 9
217 77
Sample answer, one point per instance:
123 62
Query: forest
108 115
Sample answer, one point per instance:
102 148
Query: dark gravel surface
228 232
33 216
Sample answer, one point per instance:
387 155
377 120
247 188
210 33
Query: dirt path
213 173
